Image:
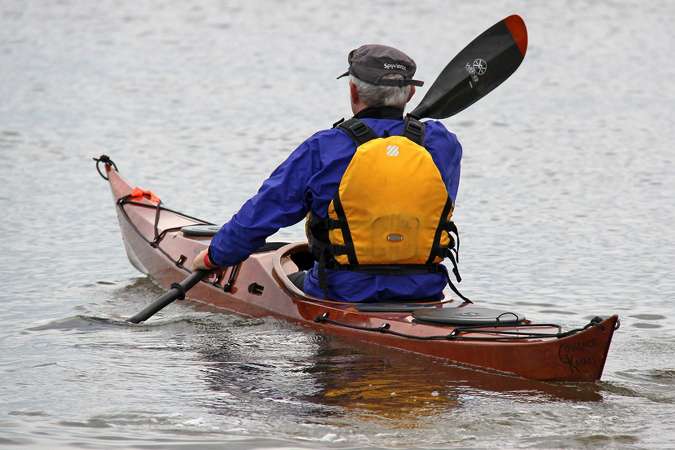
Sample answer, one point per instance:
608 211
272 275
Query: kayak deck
260 286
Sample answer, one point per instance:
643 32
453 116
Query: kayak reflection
317 375
397 385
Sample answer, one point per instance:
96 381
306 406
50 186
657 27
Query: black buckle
359 129
334 224
338 249
414 130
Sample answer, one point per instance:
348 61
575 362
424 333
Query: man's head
380 76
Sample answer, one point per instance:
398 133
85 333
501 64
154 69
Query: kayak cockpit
295 257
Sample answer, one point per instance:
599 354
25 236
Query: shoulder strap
414 130
357 130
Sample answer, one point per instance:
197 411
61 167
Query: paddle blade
483 65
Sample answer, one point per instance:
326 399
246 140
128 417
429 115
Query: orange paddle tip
518 30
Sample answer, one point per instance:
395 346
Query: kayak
162 242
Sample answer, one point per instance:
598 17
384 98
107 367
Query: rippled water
565 207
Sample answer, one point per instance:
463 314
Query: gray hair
373 95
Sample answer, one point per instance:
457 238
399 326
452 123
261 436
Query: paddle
176 292
483 65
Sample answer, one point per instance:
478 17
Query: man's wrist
208 262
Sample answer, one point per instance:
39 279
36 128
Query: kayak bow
159 241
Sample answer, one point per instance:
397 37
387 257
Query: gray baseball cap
370 63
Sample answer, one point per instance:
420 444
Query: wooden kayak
161 243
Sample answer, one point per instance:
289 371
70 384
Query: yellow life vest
391 213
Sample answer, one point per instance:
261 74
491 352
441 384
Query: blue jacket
307 181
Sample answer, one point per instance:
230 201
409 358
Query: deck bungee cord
138 193
458 333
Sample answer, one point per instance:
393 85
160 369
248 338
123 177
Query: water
565 208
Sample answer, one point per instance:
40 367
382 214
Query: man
379 192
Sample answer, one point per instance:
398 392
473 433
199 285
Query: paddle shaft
176 292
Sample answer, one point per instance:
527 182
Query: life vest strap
414 130
390 269
346 234
402 269
455 270
443 225
358 131
361 133
453 233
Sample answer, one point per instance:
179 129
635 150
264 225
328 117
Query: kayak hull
259 287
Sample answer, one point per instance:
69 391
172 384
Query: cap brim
399 82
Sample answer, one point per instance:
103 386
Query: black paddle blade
483 65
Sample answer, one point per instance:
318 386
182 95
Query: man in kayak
378 191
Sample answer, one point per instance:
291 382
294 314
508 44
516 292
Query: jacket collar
380 112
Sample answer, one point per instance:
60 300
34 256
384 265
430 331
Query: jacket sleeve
447 155
280 202
455 166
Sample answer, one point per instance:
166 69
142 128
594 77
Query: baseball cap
371 62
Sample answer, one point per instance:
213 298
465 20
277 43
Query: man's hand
202 261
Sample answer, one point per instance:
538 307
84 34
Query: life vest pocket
393 238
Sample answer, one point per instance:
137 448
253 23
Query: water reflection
340 378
